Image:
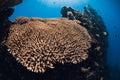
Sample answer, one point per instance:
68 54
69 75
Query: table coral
39 43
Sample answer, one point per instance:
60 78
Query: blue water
108 9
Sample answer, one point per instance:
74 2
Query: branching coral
40 43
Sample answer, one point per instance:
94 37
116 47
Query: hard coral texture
39 43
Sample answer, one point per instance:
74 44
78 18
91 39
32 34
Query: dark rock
70 13
8 3
5 59
5 12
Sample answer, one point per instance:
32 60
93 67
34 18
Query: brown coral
39 43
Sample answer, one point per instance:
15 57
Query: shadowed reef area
72 47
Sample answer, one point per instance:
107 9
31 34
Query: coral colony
38 43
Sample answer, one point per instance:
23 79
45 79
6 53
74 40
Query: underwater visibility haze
109 10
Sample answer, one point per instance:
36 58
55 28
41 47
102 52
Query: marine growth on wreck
68 48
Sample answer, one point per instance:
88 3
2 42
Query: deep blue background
108 9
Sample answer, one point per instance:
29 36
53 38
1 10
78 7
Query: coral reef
63 49
38 43
96 28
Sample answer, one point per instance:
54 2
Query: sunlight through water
63 2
